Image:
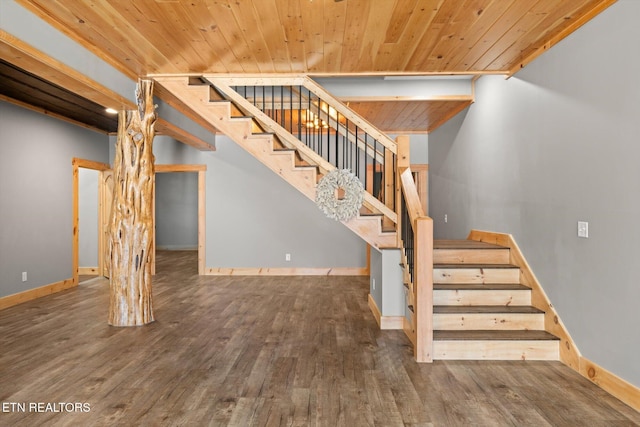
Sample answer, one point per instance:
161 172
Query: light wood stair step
495 345
486 309
489 335
492 317
299 162
471 294
468 252
476 273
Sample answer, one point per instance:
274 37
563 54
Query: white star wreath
326 194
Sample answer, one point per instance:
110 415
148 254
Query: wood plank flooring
264 351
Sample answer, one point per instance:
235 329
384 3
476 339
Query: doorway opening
179 217
92 194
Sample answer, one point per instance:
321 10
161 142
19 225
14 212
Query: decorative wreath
340 209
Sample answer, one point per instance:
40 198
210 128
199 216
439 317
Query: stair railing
333 135
416 240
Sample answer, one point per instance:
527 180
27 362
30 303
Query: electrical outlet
24 276
445 218
583 229
374 284
287 257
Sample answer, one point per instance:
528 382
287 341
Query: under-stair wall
248 233
386 291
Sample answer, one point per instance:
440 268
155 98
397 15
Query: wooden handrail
350 115
410 192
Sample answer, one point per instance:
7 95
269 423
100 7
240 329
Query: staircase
276 148
481 309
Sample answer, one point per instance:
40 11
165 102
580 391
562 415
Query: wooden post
131 227
389 178
423 284
403 162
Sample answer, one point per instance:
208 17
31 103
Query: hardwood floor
243 351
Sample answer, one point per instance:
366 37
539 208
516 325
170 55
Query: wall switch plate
374 284
287 257
24 276
583 229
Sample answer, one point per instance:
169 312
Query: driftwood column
131 228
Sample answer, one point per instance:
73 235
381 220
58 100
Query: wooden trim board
611 383
88 270
569 353
201 170
295 271
385 322
77 163
180 168
31 294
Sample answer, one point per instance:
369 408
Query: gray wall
36 195
254 217
556 144
418 148
88 217
177 210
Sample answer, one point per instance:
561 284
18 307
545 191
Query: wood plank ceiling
323 37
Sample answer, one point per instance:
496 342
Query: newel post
423 281
131 227
403 161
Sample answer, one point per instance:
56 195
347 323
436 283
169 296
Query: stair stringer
239 129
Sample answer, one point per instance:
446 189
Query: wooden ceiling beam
20 54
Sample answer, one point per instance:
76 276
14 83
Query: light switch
583 229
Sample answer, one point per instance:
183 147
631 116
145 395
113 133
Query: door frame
202 209
101 167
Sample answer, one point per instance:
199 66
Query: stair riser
481 297
471 256
476 275
488 321
496 350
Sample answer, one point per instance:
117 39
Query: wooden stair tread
497 335
366 212
480 287
479 266
464 244
472 309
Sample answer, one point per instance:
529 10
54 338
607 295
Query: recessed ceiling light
111 111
